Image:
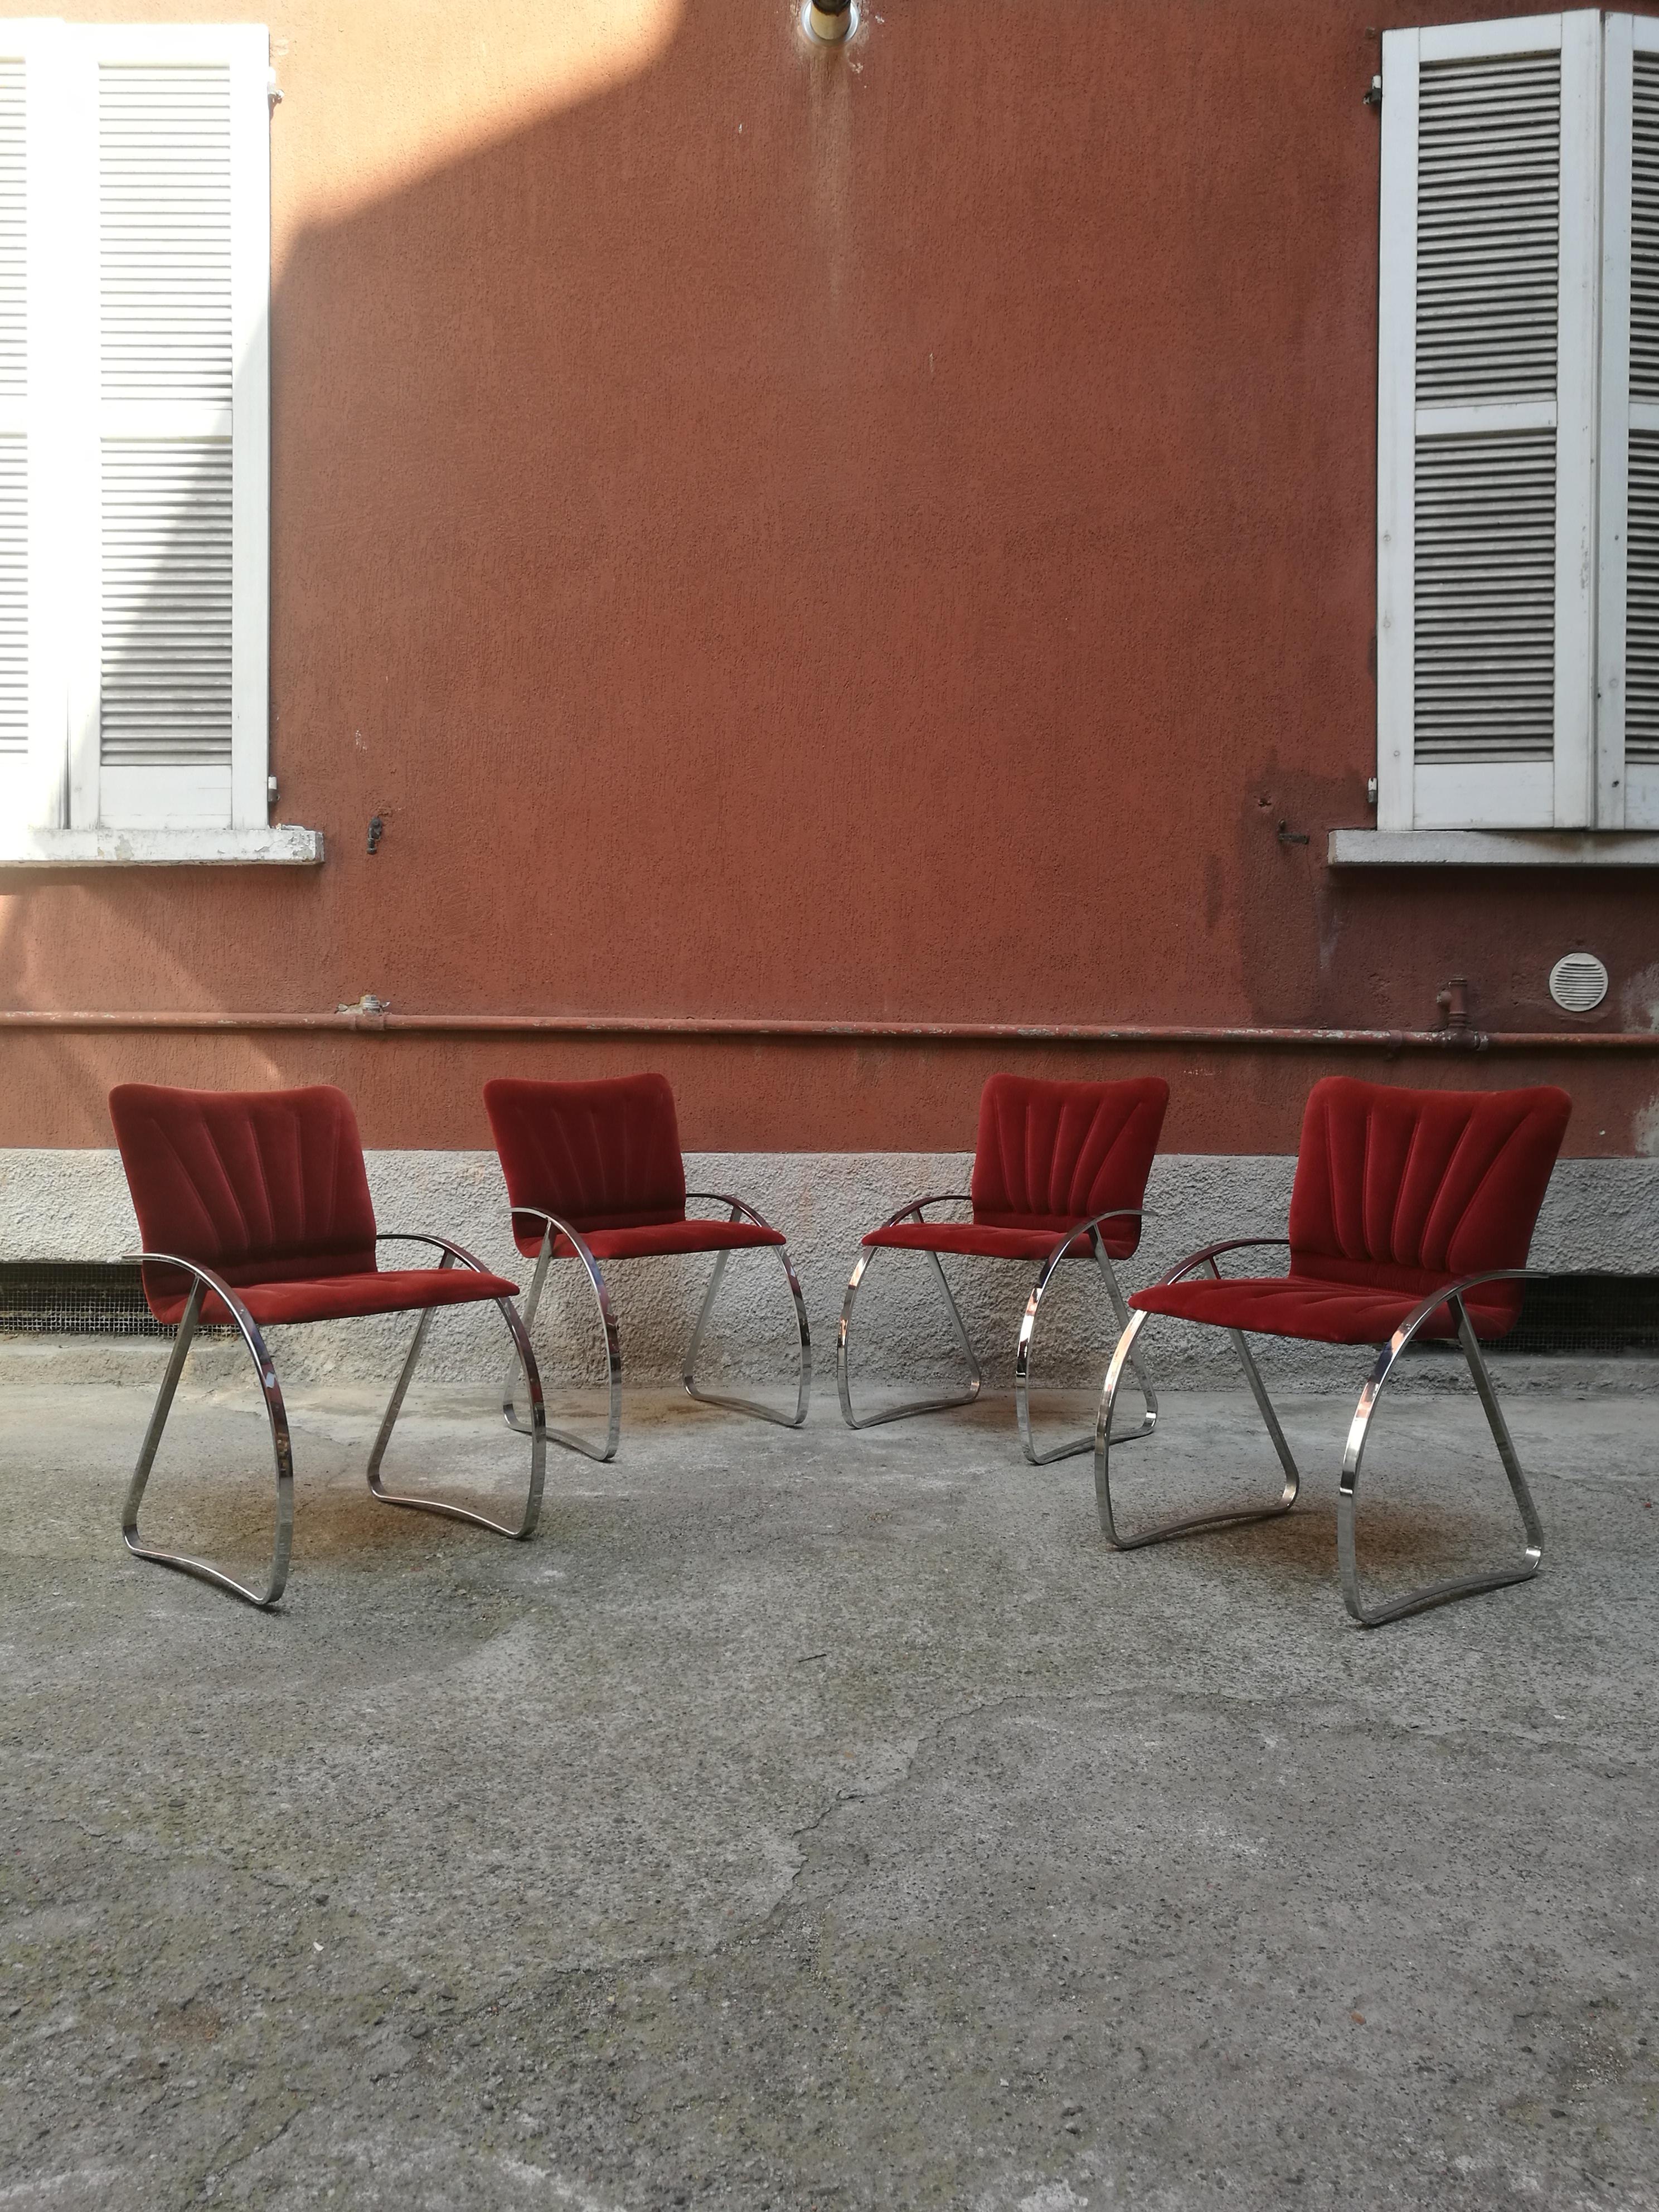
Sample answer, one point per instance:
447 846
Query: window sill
283 845
1492 849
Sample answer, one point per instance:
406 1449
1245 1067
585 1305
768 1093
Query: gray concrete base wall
74 1205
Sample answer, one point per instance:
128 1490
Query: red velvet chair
254 1210
1410 1215
594 1172
1060 1172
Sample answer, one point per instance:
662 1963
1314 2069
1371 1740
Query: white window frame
69 806
1573 809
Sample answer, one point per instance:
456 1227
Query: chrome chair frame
1027 1328
1434 1594
555 1225
452 1255
1103 1439
1418 1601
205 1280
739 1211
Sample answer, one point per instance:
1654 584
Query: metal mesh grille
1598 1316
63 1298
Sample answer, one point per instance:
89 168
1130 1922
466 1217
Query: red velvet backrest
1403 1189
601 1155
1051 1153
261 1186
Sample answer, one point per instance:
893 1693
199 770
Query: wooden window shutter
169 671
1486 512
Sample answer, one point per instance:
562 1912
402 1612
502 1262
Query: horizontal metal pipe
1146 1035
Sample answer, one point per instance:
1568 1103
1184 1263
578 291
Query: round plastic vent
1578 982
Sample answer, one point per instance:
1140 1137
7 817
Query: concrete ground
824 1821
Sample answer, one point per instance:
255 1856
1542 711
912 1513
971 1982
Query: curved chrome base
1022 1351
1076 1445
843 1356
1188 1523
804 1388
281 1447
536 1428
1417 1600
607 1451
1432 1593
555 1227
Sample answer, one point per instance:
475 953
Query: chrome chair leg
1432 1593
843 1361
281 1450
1190 1523
536 1428
1076 1445
612 1353
804 1391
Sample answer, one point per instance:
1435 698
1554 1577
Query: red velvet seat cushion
979 1240
1397 1192
346 1298
1317 1311
648 1240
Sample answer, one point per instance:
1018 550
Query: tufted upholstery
605 1157
1397 1192
266 1188
1049 1154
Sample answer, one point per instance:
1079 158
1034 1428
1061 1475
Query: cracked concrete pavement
824 1821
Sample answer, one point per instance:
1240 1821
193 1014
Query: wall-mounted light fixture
829 21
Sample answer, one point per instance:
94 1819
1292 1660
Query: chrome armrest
737 1206
1211 1253
220 1288
933 1198
1432 1304
557 1225
450 1251
1082 1228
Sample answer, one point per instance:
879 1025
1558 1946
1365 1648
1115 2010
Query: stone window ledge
283 845
1492 849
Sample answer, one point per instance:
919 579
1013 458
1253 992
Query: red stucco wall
903 557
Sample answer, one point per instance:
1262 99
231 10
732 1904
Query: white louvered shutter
13 412
32 675
167 709
1628 730
1487 424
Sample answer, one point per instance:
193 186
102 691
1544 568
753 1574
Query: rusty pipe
1151 1036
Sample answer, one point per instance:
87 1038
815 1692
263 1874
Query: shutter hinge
273 90
1373 93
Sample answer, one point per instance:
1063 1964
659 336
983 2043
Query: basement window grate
1598 1316
1594 1316
74 1297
